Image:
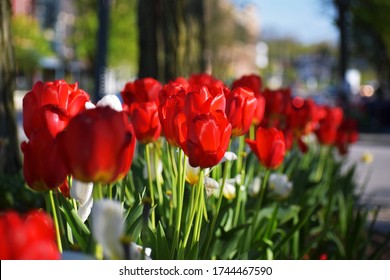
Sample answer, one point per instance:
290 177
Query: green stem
252 132
239 192
262 194
237 209
123 189
171 154
240 152
158 177
215 218
194 207
56 222
179 200
97 192
151 189
199 213
321 163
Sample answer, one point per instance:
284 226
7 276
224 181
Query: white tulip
108 227
135 252
210 186
111 101
82 193
254 186
153 170
229 156
193 173
89 105
85 210
229 190
279 186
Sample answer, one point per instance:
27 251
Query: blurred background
335 51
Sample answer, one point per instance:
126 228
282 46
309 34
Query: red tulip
171 113
269 147
326 133
254 83
98 145
251 81
260 109
240 109
208 139
332 116
199 100
43 166
329 124
64 189
288 139
347 134
146 124
303 117
141 90
27 237
51 105
205 79
278 104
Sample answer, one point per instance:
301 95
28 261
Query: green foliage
123 44
29 41
16 195
122 48
85 29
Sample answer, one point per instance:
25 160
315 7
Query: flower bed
191 169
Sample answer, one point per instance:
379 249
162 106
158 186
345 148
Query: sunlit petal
111 101
81 191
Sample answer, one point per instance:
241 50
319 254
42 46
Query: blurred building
56 19
244 53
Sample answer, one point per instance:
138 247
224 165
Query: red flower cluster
296 117
27 237
47 110
192 116
65 139
199 114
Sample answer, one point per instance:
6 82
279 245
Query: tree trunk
179 26
147 26
101 48
174 35
343 7
196 36
9 146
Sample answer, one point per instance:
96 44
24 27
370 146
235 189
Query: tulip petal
111 101
229 156
81 191
210 186
84 210
108 227
89 105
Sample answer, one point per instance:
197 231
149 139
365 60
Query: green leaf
162 247
295 228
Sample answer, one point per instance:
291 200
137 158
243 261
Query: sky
310 21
